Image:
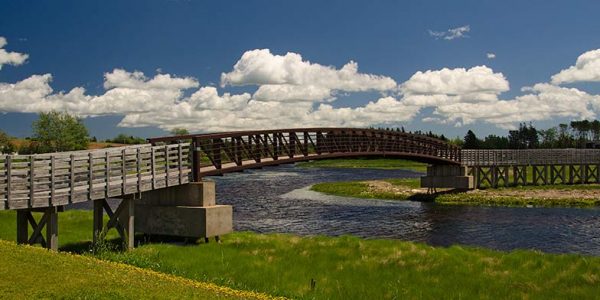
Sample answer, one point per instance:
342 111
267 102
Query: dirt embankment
380 186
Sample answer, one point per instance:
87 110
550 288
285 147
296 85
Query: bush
125 139
6 145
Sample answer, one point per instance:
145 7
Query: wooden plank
123 171
107 174
139 171
72 179
180 164
31 180
52 179
167 165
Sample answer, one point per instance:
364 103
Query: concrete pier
188 210
447 176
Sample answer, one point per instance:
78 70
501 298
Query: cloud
465 96
445 86
587 68
452 33
292 92
10 58
126 92
290 78
490 55
543 101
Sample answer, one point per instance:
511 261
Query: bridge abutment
188 210
447 176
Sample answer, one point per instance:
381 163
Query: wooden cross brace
48 221
122 219
557 172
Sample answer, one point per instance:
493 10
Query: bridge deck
45 180
512 157
42 180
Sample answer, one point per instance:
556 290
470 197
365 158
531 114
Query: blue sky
77 42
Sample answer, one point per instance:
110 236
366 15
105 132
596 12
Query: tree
127 139
179 131
595 128
59 131
549 138
565 139
6 145
471 141
526 137
495 142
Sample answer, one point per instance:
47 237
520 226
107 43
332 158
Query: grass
361 190
334 267
505 196
32 272
366 163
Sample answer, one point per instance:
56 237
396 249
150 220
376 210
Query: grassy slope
371 163
353 268
31 272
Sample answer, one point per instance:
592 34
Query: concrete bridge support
188 210
447 176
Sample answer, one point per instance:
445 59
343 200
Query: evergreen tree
471 141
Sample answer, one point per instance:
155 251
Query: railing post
319 145
196 159
292 143
8 166
31 181
275 146
216 144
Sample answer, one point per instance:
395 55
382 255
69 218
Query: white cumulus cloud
438 87
490 55
292 92
587 68
290 78
10 58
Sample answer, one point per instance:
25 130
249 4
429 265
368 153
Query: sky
146 67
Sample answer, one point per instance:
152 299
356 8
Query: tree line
59 131
576 134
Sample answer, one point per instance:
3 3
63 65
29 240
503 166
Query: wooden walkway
495 168
510 157
56 179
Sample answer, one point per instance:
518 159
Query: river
278 199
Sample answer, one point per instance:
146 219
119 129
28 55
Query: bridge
163 192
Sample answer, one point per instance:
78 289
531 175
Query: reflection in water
278 199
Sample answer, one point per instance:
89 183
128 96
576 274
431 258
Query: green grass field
370 163
35 273
324 267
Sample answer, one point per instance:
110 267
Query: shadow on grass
117 245
430 197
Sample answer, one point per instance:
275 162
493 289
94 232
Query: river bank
345 267
582 195
525 196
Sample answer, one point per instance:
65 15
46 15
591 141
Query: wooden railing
220 153
44 180
530 157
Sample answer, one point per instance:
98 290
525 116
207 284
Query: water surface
278 199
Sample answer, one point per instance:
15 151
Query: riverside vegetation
578 195
297 267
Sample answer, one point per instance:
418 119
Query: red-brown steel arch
225 152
